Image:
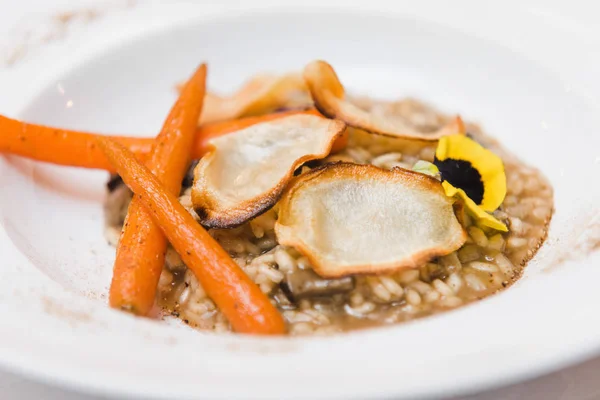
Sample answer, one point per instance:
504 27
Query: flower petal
427 168
483 217
462 160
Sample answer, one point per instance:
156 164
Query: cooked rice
487 263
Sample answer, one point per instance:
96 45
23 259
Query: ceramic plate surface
530 82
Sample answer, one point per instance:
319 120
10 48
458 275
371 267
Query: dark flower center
462 175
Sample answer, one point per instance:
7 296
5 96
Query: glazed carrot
246 307
59 146
141 250
78 149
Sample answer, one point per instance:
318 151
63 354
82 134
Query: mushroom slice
245 172
261 94
329 97
360 219
304 283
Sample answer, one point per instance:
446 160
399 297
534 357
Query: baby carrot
246 307
59 146
78 149
142 246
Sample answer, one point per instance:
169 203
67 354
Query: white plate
534 96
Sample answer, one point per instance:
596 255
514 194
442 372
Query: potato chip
359 219
262 94
246 171
330 99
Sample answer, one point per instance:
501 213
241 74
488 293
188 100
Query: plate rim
575 357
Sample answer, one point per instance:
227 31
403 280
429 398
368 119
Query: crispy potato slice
246 171
360 219
261 94
329 97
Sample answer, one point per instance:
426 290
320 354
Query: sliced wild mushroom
116 205
330 99
188 179
300 284
283 299
360 219
246 171
114 182
261 94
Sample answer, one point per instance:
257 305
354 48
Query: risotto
292 207
487 262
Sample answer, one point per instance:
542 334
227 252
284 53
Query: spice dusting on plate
27 37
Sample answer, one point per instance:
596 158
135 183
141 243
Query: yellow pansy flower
474 174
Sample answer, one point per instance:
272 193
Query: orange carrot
141 250
59 146
78 149
246 307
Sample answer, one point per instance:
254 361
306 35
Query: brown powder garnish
54 308
581 242
52 29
